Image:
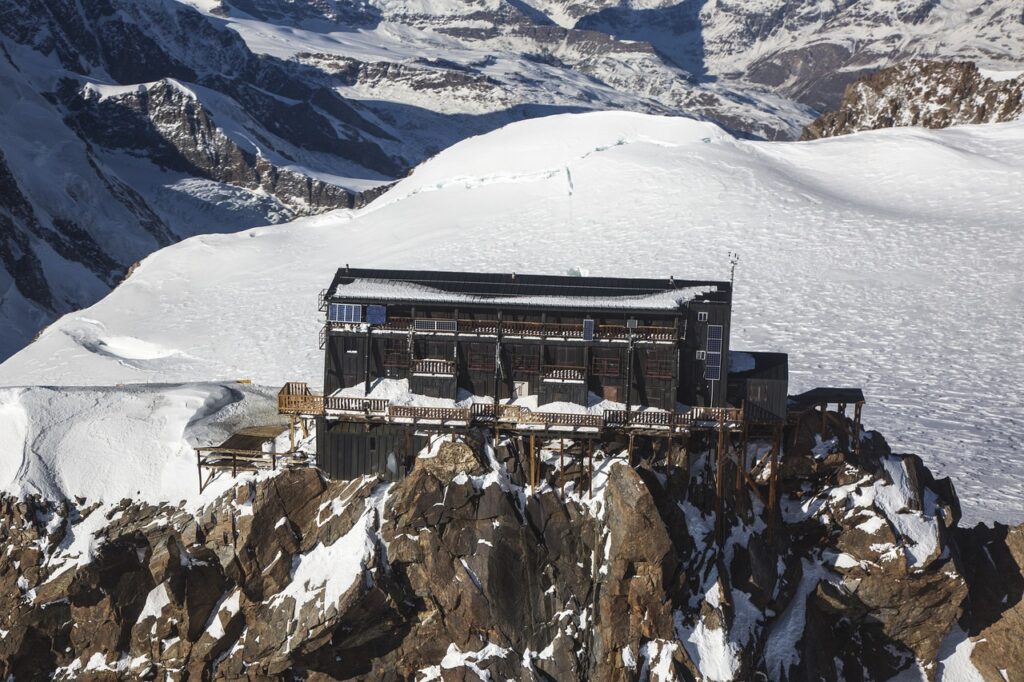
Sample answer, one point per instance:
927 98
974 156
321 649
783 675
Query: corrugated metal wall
346 450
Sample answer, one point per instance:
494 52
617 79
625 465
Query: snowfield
891 260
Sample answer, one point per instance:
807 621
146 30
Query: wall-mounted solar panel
345 312
423 325
376 314
588 330
447 325
714 338
713 373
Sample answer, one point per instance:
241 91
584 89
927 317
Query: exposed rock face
470 578
932 94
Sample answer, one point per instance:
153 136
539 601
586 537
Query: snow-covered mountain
860 256
129 125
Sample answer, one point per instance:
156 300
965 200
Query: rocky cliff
460 573
932 94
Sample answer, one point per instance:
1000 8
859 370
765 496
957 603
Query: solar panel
344 312
715 331
446 325
713 373
376 314
423 325
714 359
588 330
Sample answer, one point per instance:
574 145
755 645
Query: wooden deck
295 399
242 451
521 329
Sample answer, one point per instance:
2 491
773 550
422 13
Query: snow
156 600
457 658
371 289
327 572
866 257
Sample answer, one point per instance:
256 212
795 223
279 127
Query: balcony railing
428 366
337 403
552 373
513 328
295 398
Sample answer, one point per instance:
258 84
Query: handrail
339 403
562 419
432 366
533 329
426 412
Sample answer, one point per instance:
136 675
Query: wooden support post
668 454
824 413
590 469
773 483
533 464
305 428
856 428
561 467
273 461
741 460
291 434
719 501
234 465
629 450
199 465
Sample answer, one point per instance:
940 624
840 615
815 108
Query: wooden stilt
629 450
720 464
305 428
856 428
741 460
824 414
199 465
561 467
773 484
590 469
533 463
291 434
234 465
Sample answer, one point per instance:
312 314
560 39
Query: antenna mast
734 258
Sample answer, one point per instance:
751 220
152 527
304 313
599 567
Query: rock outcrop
932 94
467 576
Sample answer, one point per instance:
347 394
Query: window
606 362
701 355
344 312
658 365
436 325
525 358
702 316
396 353
480 356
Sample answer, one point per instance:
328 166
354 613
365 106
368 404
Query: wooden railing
427 366
339 403
563 373
536 329
573 419
443 414
296 398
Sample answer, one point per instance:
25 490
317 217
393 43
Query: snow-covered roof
553 291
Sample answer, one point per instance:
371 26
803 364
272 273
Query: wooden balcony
337 403
429 366
513 329
296 399
556 373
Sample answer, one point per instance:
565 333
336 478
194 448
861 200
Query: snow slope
889 260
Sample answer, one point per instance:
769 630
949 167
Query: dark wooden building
639 341
511 339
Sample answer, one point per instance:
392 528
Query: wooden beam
590 469
561 467
533 452
629 450
773 484
720 467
